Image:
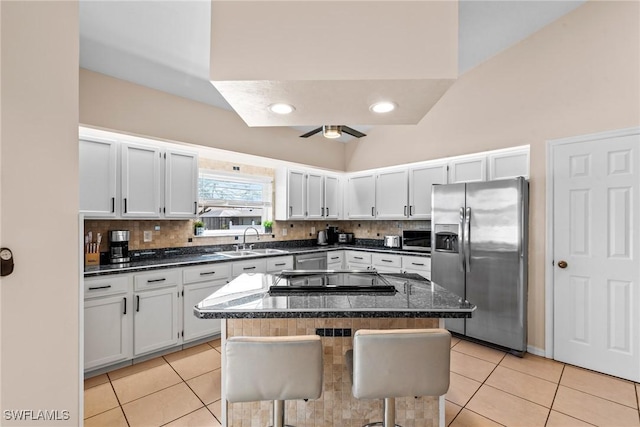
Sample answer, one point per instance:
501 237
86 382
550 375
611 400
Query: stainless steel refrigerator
479 251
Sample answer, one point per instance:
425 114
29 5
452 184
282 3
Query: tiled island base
336 406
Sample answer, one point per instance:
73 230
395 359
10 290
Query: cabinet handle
195 208
156 280
410 210
290 210
280 263
327 211
386 260
372 211
417 263
207 273
335 257
358 257
137 303
94 288
125 205
125 305
322 211
249 268
405 210
113 205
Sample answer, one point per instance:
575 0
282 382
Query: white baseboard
535 350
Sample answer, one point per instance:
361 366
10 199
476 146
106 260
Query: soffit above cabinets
331 60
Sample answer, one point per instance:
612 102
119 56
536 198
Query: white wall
39 209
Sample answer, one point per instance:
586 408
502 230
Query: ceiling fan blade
353 132
313 132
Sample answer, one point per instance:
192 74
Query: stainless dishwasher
315 261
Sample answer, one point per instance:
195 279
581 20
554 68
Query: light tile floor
488 388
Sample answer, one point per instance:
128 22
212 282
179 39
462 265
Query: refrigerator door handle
461 239
467 238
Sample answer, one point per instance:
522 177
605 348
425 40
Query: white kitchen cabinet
107 321
386 263
421 181
509 164
181 184
417 265
200 282
332 197
194 327
248 266
357 260
156 310
140 178
98 178
468 169
335 260
291 194
361 196
315 196
275 265
392 194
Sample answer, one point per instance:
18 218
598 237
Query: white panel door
315 196
107 336
468 169
296 194
140 181
193 326
332 197
421 181
155 321
510 164
392 194
596 277
361 197
181 184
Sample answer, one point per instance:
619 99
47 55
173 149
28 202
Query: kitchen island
333 305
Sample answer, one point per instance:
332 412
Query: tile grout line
124 414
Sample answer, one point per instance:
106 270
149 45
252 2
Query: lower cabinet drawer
384 260
254 266
416 263
107 285
354 257
206 273
276 265
156 279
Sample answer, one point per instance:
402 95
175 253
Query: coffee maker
332 235
118 246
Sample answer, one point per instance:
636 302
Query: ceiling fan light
282 108
383 107
331 131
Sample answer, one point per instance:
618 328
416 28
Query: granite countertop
183 257
248 297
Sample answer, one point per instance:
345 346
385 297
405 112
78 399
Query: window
229 203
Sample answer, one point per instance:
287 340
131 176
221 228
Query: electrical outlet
313 230
148 236
284 231
157 228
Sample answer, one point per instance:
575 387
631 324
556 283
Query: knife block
92 259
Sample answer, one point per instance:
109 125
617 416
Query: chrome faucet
244 236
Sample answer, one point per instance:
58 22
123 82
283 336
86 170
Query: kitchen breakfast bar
334 305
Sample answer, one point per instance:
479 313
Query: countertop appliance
322 237
118 246
391 241
416 240
332 235
480 252
313 261
345 237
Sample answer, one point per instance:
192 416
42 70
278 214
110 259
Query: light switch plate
148 236
313 230
284 231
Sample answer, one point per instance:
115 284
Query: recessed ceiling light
281 108
382 107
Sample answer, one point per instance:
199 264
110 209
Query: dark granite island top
249 297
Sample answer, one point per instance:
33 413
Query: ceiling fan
334 131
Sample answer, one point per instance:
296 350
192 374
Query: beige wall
577 76
109 103
39 200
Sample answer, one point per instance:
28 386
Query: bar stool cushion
400 363
273 368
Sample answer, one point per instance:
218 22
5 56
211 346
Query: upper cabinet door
392 194
296 194
361 197
140 181
98 178
468 169
315 196
421 180
332 208
509 165
181 184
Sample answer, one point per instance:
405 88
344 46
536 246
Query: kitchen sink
268 251
237 254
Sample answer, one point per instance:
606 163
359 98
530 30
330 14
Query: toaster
392 241
345 238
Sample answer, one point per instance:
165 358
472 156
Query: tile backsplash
177 233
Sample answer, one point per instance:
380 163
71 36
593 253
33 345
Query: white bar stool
385 364
273 368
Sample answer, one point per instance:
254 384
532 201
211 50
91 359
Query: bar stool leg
388 414
278 413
